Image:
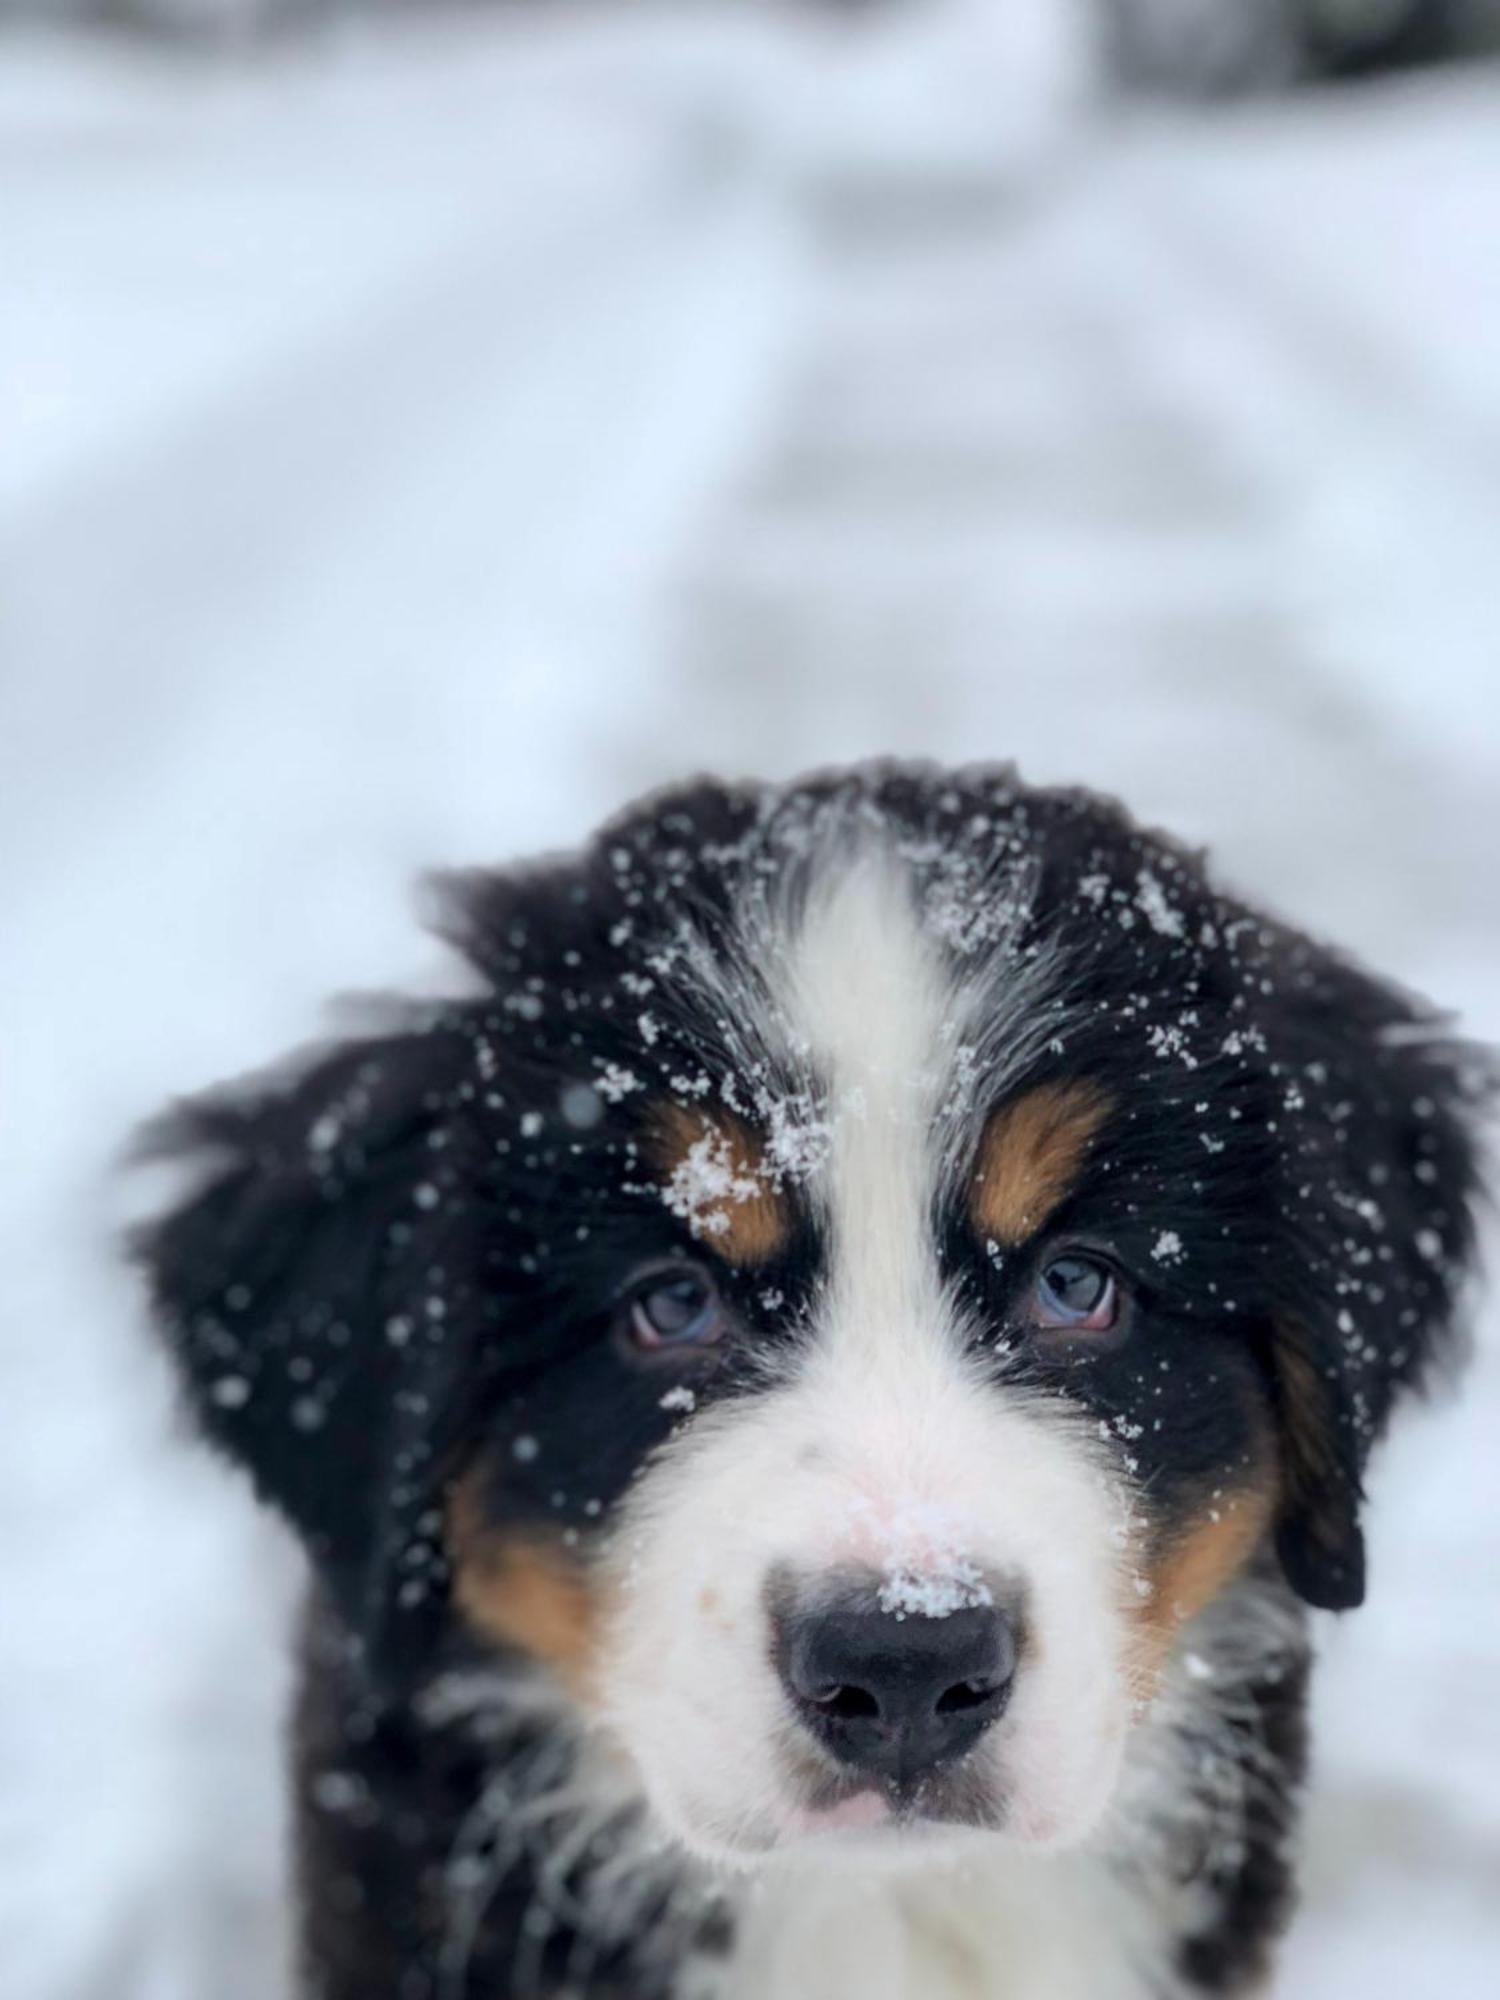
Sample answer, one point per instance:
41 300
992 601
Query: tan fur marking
746 1221
523 1590
1198 1562
1030 1157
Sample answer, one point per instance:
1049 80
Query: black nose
897 1697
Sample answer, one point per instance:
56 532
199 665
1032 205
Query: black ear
1318 1536
1377 1108
316 1293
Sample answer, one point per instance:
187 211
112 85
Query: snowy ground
414 446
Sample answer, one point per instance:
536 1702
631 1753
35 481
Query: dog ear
317 1291
1377 1109
1319 1540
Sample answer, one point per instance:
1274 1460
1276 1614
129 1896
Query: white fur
884 1443
965 1930
989 1920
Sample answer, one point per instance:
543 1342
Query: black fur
407 1253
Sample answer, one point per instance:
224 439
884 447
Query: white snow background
414 442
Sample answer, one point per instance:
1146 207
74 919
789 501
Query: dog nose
898 1697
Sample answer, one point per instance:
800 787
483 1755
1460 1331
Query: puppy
817 1399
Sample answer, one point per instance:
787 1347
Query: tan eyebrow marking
717 1180
1198 1561
1030 1157
522 1588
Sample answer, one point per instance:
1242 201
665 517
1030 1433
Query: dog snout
896 1696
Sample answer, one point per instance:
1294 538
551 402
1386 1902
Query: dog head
876 1261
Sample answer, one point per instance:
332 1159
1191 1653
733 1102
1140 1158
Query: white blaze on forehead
866 995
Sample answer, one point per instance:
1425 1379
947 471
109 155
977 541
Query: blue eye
1076 1292
674 1309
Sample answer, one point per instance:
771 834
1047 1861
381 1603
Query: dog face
877 1260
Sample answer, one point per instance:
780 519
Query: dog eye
1076 1292
674 1309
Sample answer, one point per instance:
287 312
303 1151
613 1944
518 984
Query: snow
417 443
933 1592
1158 911
919 1549
705 1181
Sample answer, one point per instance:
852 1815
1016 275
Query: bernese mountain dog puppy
817 1396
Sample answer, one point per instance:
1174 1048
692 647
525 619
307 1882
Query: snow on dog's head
876 1261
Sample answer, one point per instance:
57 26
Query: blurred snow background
418 434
